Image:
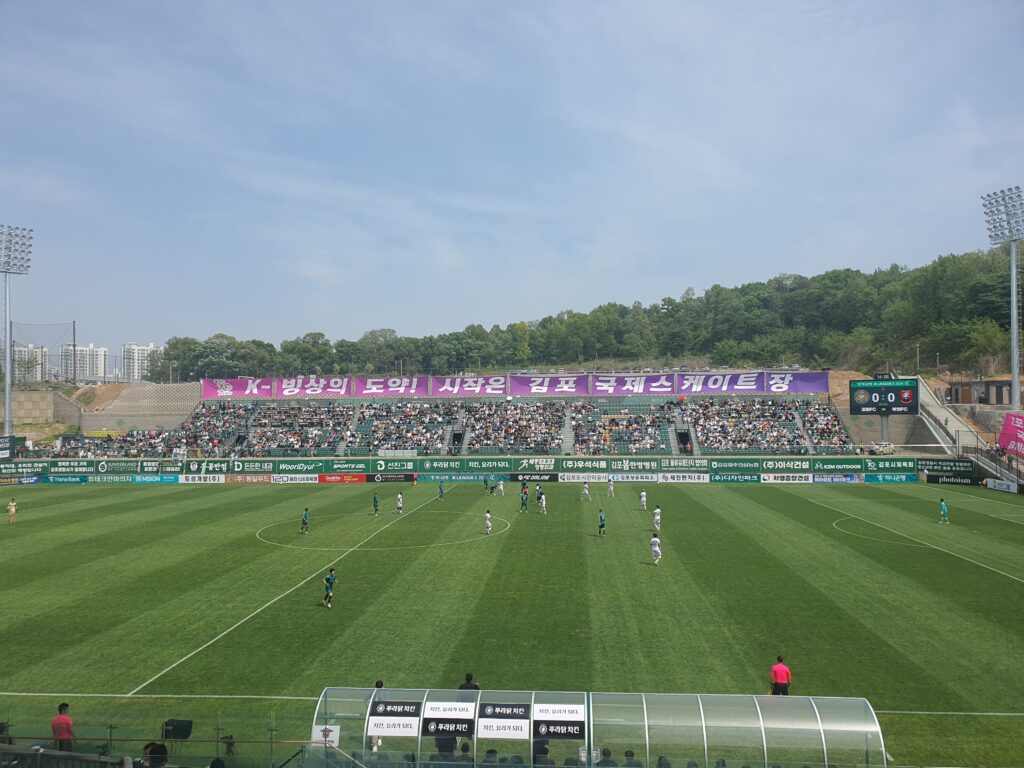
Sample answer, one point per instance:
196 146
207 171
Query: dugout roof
432 727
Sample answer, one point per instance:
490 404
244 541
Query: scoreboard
883 397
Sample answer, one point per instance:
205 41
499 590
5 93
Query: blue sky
268 169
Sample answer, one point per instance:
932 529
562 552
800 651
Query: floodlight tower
15 259
1004 215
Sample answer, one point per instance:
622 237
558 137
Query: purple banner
233 389
759 383
626 384
313 386
549 385
467 386
572 385
390 386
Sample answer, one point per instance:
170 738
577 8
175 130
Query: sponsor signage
293 479
257 466
207 466
891 477
62 479
582 477
683 463
118 466
390 477
9 480
736 477
448 718
890 464
585 464
795 478
535 464
785 465
110 478
948 466
1005 486
393 718
634 477
7 448
684 477
503 721
201 479
27 480
154 479
344 479
635 465
489 465
837 465
559 721
457 477
950 479
539 477
249 479
738 465
847 477
348 466
25 468
72 467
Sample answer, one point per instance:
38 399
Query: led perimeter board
883 397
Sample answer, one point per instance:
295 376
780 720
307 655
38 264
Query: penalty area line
269 603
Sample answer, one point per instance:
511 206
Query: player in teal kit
376 505
329 580
944 512
304 527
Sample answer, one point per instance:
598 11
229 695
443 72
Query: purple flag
231 389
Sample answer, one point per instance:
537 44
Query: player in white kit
611 487
501 487
655 549
487 522
544 504
398 504
643 500
586 491
657 518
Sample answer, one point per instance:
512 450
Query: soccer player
543 504
655 549
540 496
398 504
657 518
376 505
501 487
304 528
329 580
487 522
524 499
12 512
586 490
643 500
485 483
600 523
943 512
611 488
781 678
440 491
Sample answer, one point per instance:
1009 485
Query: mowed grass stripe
310 646
913 622
972 589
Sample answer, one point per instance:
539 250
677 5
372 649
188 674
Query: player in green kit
376 505
943 512
600 524
304 527
329 580
524 499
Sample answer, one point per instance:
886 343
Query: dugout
405 728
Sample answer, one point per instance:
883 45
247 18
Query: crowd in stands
755 425
405 426
602 429
825 429
599 427
514 426
295 427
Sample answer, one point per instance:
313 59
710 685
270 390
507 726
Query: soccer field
165 602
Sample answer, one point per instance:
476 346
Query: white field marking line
835 525
508 526
925 543
164 696
982 498
995 501
266 605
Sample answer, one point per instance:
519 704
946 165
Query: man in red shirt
62 728
781 679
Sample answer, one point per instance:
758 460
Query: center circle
260 536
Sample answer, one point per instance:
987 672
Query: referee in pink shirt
781 679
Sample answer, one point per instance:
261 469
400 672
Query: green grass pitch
120 591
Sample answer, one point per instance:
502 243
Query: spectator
63 729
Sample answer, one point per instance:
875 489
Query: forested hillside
957 307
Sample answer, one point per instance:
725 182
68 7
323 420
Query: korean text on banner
1011 439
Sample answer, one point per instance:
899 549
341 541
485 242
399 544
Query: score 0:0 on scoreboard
883 397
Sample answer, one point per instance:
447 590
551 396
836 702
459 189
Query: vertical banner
1011 439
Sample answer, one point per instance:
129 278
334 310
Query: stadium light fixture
1004 217
15 259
